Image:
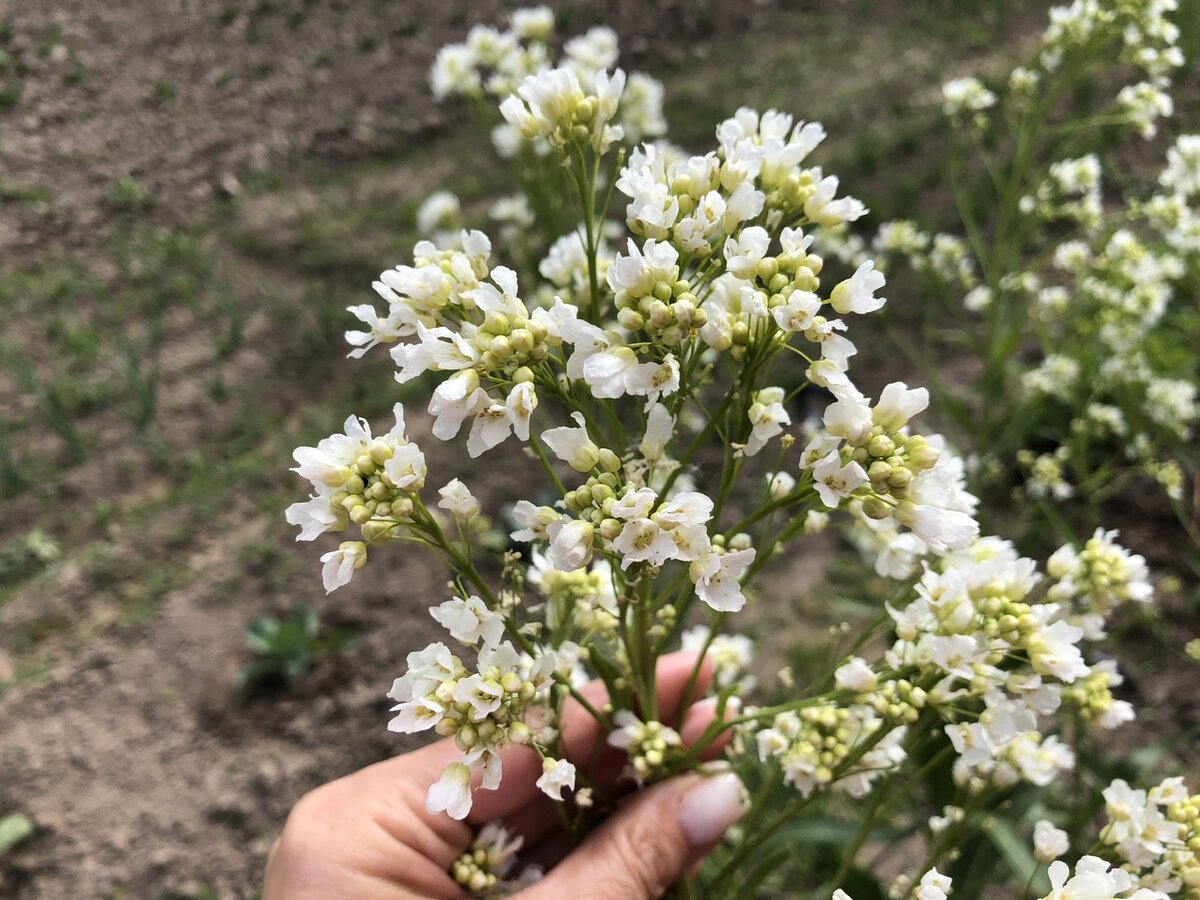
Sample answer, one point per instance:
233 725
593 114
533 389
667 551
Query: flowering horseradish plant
1081 279
632 369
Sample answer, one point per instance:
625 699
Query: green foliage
14 828
26 556
127 194
284 649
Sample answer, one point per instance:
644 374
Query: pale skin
368 836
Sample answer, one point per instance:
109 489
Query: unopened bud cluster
370 498
1186 813
668 312
510 344
898 701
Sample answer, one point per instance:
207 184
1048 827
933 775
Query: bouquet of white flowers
652 369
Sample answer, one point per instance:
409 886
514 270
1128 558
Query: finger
581 731
643 849
538 819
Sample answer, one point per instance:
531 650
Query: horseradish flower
1049 843
570 544
836 481
966 95
573 446
767 419
717 578
457 499
451 793
856 675
556 775
857 293
469 620
340 565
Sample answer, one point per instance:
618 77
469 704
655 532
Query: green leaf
1016 852
14 829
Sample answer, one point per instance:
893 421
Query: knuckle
649 856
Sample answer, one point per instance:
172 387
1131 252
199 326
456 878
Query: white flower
340 564
458 500
966 95
455 399
532 23
745 251
849 416
315 516
717 578
572 445
644 540
439 212
897 404
824 210
797 313
416 715
857 293
534 521
482 695
1049 843
454 72
570 544
556 775
469 620
1094 879
495 421
779 485
767 419
934 886
834 481
451 793
856 675
659 429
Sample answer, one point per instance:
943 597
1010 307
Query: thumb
647 846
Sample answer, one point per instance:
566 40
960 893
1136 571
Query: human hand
368 835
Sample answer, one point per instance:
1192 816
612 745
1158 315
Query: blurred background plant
285 648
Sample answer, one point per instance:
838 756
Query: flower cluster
654 371
544 102
1099 282
482 709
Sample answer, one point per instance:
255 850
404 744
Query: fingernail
711 807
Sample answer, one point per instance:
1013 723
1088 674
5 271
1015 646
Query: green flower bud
496 323
521 340
874 508
610 462
501 347
881 446
631 319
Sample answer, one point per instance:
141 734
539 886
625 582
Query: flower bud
376 532
609 461
521 340
631 319
874 508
